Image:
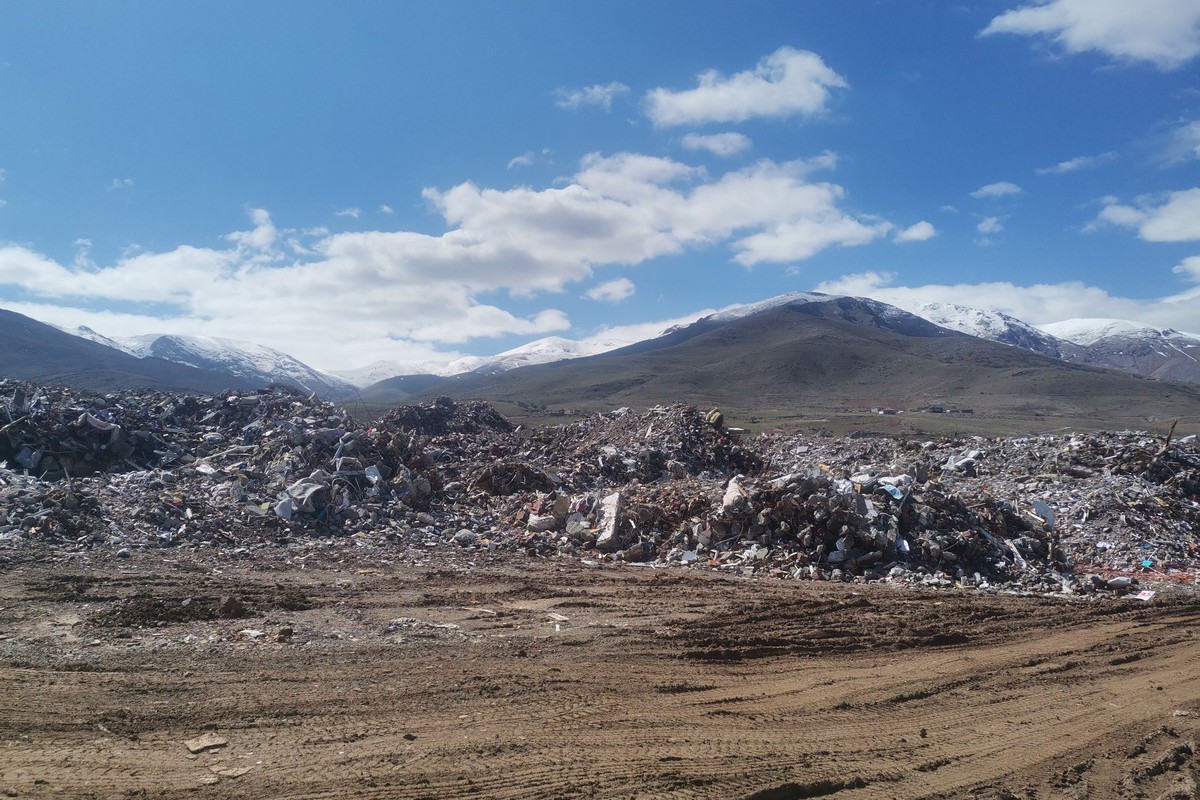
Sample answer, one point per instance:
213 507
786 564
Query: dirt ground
347 673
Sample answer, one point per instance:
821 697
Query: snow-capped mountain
1128 346
1089 331
378 371
84 332
997 327
252 362
1162 353
730 313
1119 344
541 351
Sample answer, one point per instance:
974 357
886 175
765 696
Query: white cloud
989 225
319 295
1164 32
721 144
1183 143
598 95
529 158
523 160
640 331
353 213
1037 304
1075 164
628 208
803 238
120 183
613 291
261 240
785 83
386 209
920 232
353 343
1189 268
999 189
1174 217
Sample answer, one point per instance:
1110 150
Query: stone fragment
205 742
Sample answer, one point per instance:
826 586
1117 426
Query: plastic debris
1080 513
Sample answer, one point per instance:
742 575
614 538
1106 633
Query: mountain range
42 353
831 350
835 353
252 363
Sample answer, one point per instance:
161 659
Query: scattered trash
131 471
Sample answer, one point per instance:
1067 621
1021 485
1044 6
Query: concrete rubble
668 487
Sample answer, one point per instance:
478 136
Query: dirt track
552 679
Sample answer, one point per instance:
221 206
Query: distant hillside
847 353
999 327
1160 353
255 363
401 388
42 353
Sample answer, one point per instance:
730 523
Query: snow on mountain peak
1088 331
981 322
540 351
84 332
730 313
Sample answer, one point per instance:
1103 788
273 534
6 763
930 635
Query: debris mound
443 416
668 486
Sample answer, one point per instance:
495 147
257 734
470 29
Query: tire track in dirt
652 686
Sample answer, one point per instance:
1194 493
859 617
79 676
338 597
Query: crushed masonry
130 471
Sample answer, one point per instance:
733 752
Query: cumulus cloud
1189 268
920 232
1174 217
613 291
120 183
386 209
390 294
260 240
786 83
618 335
721 144
598 95
1075 164
346 298
629 208
1037 304
1183 143
352 213
1165 33
989 225
999 189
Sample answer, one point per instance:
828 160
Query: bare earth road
348 676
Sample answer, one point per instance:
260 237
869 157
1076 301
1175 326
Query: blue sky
423 180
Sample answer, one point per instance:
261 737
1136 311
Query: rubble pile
621 446
666 486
